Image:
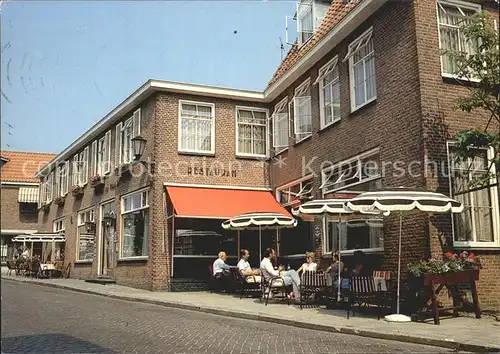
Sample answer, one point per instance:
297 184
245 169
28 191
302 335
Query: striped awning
28 195
40 238
260 220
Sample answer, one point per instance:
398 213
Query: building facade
19 197
361 102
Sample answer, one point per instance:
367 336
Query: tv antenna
282 48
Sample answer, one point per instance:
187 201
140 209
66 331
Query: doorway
107 239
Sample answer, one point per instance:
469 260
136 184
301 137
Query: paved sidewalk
462 333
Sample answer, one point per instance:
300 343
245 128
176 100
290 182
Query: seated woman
309 266
336 268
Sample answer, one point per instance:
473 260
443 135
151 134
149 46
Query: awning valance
217 203
28 195
40 238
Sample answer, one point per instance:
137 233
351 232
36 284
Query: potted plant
96 181
77 191
59 200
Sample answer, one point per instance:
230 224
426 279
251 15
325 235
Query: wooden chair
362 291
245 285
11 266
312 283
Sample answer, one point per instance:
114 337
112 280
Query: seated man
250 275
289 277
221 269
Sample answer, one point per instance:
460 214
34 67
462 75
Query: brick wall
441 122
11 215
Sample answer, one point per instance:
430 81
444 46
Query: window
135 224
81 167
478 225
27 208
292 193
251 130
62 173
302 111
361 58
46 189
329 93
86 235
125 132
59 226
365 234
104 154
197 127
451 16
305 21
355 171
280 126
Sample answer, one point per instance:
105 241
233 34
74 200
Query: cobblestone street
37 319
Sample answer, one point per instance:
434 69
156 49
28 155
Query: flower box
452 278
77 191
59 200
96 181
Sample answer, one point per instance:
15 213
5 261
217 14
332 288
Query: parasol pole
260 242
399 258
238 242
340 228
277 241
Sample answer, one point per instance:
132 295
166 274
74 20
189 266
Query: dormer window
309 15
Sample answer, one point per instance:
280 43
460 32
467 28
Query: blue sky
65 64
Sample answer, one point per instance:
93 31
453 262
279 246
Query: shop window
85 234
135 225
365 234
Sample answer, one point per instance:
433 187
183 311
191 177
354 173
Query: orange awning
217 203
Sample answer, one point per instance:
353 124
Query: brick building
360 102
19 196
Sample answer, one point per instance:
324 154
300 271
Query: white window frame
304 9
281 109
59 225
322 72
128 130
144 205
353 48
326 172
298 95
45 196
62 177
495 204
80 221
253 109
326 224
303 182
212 132
459 5
103 154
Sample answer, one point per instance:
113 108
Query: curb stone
399 337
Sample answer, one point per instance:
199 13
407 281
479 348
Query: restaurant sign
217 172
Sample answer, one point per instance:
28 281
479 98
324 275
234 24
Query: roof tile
22 166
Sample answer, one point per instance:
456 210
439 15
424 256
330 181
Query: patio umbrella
404 199
260 221
323 207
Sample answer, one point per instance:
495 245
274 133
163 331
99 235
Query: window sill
331 124
196 153
133 259
84 261
252 157
454 79
303 140
281 152
357 108
351 252
475 246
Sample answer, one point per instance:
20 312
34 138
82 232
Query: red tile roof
22 166
336 12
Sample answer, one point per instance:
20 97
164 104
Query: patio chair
312 284
11 266
245 285
362 292
273 286
216 284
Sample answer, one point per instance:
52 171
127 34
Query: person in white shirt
220 268
310 265
290 277
250 275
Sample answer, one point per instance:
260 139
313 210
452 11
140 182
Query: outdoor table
47 269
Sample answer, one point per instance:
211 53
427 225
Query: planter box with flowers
96 181
77 191
59 200
453 269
